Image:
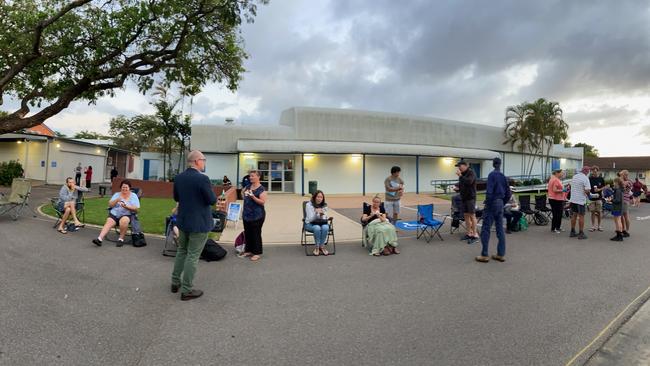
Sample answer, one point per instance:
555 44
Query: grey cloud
602 118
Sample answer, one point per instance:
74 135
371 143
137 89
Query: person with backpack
193 192
496 193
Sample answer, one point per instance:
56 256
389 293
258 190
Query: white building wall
378 168
36 155
137 168
66 156
218 165
11 150
436 169
334 173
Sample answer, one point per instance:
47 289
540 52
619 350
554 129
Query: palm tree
534 128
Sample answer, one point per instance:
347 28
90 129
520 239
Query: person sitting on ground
512 214
67 203
381 234
123 205
316 221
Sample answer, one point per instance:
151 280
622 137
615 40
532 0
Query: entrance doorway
277 175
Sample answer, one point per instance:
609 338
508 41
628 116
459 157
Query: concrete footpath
630 345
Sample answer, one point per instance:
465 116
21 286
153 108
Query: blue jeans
493 213
320 233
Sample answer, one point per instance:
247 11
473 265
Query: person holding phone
122 205
253 216
316 221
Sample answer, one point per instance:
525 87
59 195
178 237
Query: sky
466 60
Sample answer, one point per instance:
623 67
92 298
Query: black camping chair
364 231
540 205
531 215
134 222
79 206
305 234
457 214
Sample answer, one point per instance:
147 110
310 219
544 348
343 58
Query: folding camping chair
134 222
171 242
531 215
429 226
457 214
18 198
79 206
540 205
305 234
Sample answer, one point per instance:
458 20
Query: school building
352 151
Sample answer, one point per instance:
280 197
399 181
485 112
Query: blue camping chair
430 226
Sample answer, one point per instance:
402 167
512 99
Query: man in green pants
193 192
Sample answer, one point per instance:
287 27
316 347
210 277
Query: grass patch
152 214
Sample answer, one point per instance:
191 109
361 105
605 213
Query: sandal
324 251
386 251
395 250
316 252
62 231
245 255
80 226
256 258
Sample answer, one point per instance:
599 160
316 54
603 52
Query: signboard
53 164
234 212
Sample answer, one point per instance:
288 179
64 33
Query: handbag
319 222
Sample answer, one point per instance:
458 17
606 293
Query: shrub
535 182
527 183
9 171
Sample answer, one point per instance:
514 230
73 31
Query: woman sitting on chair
316 221
122 205
381 234
67 204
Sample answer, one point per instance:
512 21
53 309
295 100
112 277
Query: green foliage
589 150
534 128
535 181
8 171
84 134
57 51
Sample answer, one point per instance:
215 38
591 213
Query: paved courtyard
66 302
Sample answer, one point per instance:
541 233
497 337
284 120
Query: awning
342 147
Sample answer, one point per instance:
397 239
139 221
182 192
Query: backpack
240 243
219 219
523 224
212 251
138 241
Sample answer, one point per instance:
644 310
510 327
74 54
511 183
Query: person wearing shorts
617 208
580 190
597 184
467 190
394 186
627 201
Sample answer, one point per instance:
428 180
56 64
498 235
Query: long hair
313 199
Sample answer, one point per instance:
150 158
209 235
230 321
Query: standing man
497 192
580 189
597 184
394 189
114 173
627 200
467 190
77 175
193 192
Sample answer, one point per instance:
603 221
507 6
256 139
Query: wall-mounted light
99 151
309 156
58 145
356 157
248 155
19 141
448 161
562 160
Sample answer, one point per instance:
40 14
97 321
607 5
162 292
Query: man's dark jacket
467 185
193 192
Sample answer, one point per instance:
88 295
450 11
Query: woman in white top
316 221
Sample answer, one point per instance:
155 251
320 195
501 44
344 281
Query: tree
60 134
534 128
590 151
91 135
128 133
58 51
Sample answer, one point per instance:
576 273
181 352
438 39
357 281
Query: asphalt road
66 302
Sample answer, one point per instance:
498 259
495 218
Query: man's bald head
196 159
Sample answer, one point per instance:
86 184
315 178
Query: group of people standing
88 172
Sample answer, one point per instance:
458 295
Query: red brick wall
158 189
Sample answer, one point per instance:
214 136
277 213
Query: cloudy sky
458 59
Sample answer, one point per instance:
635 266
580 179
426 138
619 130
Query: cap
461 162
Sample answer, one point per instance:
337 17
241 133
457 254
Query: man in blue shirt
497 192
193 192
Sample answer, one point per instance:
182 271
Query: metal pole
364 173
237 181
417 174
302 173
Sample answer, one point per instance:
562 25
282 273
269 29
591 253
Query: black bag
219 219
455 223
320 222
213 251
137 239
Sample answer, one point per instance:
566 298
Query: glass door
276 175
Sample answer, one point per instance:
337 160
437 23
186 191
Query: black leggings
557 209
253 234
